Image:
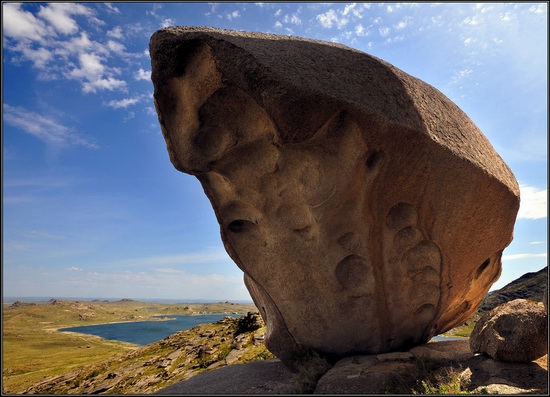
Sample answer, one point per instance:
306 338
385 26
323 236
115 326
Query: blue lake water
145 332
445 338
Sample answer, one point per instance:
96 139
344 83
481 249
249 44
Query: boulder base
366 210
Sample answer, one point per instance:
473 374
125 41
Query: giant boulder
366 210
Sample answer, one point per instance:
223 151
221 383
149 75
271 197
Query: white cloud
461 75
115 32
293 19
40 57
59 16
79 44
92 74
354 10
74 269
167 22
123 103
533 202
20 24
360 30
537 242
278 24
43 128
278 12
335 18
91 67
232 15
384 31
109 84
328 18
143 75
401 25
523 256
116 47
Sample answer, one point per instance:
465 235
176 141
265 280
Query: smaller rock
516 331
364 375
497 388
452 350
250 322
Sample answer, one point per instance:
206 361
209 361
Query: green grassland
33 349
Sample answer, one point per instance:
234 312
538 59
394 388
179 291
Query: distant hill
529 286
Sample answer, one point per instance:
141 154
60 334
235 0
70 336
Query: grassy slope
33 349
529 286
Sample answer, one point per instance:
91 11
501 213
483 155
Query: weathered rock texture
390 373
516 331
366 210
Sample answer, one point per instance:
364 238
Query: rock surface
545 299
356 198
258 377
516 331
369 374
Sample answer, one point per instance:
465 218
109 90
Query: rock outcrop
442 367
516 331
529 286
366 210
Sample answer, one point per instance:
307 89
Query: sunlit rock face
366 210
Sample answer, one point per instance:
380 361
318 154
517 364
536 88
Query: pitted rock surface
366 210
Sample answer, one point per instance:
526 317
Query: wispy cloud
43 128
537 242
181 259
115 32
232 15
533 202
59 16
111 8
45 235
512 257
123 103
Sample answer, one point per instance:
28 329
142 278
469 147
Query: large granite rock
366 210
515 331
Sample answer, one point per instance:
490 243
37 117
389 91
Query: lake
145 332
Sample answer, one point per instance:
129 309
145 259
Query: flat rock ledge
374 374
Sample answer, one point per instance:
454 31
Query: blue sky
92 206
